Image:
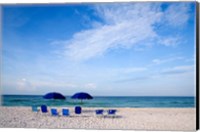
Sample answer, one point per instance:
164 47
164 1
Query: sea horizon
103 101
106 95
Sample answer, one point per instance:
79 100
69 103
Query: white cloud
179 70
170 41
90 85
91 43
123 26
55 84
161 61
177 14
25 85
130 70
118 13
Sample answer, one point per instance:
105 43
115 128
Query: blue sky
126 49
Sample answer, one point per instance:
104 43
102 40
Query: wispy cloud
123 26
90 86
133 79
96 42
56 85
119 30
177 14
178 70
181 71
170 41
25 85
161 61
129 70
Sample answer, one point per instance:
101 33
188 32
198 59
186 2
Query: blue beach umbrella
82 96
54 95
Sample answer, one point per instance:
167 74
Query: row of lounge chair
77 110
110 112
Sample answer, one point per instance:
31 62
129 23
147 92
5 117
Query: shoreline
126 119
107 107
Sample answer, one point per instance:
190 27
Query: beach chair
99 112
35 109
44 109
112 113
54 112
65 112
78 110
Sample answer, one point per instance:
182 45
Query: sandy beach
126 118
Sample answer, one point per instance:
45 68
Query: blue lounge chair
44 109
65 112
78 110
112 113
99 112
54 112
35 109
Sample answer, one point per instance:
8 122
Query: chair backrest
54 112
65 112
99 112
34 109
112 112
78 110
44 109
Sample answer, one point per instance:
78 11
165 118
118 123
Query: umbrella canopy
81 96
54 95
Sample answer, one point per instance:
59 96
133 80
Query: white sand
127 118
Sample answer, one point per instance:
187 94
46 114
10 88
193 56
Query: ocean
101 101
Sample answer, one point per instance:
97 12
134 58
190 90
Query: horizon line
105 95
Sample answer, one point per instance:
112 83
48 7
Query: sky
116 49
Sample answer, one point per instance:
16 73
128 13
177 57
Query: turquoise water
108 101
